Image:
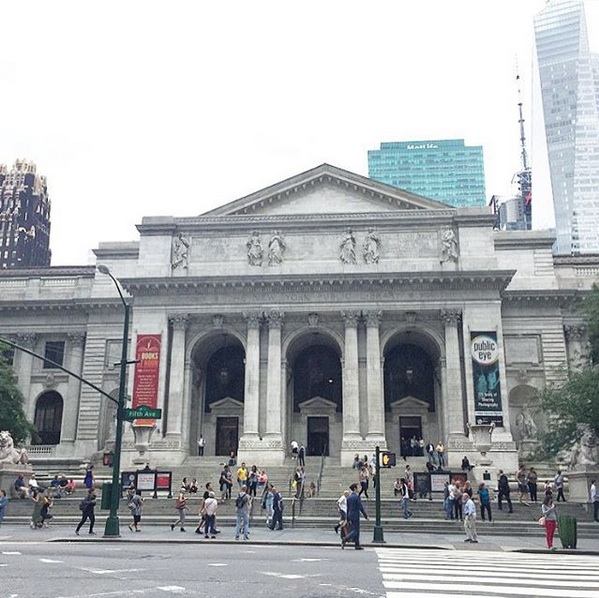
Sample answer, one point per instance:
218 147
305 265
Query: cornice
562 297
59 306
49 272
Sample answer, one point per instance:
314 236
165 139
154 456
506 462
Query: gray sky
151 108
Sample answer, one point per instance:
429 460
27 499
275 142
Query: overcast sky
137 108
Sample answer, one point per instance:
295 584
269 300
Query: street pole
378 528
112 522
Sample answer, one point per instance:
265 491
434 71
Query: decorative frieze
76 338
180 252
450 251
276 249
347 249
575 332
372 244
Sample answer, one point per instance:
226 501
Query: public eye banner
485 371
146 377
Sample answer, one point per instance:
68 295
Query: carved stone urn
481 439
143 435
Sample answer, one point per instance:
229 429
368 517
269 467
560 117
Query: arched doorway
48 417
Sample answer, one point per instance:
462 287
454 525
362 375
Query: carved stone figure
348 248
255 251
585 451
8 452
526 424
276 249
180 252
372 244
449 246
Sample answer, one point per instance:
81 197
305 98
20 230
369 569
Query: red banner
147 374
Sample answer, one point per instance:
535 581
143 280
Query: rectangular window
54 351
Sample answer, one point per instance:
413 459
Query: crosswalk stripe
444 571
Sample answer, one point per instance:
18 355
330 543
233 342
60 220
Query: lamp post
112 522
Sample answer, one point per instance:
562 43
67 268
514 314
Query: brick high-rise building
24 217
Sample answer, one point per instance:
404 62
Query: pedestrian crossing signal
387 459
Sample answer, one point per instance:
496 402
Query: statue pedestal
9 473
528 447
579 482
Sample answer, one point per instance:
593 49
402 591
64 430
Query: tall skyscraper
569 77
446 170
24 217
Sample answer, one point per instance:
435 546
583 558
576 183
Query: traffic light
387 459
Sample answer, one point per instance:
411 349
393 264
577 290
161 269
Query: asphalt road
106 570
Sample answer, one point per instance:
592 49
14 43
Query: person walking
559 486
252 481
469 511
548 510
181 506
364 481
533 484
404 493
503 491
277 510
594 496
88 480
484 496
242 514
267 502
87 507
36 516
354 508
301 455
522 479
342 508
136 504
210 506
46 501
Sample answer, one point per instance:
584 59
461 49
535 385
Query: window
54 351
48 417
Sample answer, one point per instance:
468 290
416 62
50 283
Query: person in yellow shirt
242 475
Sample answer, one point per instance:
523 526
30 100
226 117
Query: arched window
48 417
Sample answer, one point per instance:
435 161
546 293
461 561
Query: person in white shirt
595 500
469 511
342 506
201 445
294 448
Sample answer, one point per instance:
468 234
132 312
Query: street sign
387 459
142 412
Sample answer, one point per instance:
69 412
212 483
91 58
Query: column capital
274 318
373 317
178 321
25 339
253 318
76 338
351 317
451 316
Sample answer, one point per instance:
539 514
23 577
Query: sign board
422 483
484 352
142 412
146 480
127 479
146 376
164 480
438 481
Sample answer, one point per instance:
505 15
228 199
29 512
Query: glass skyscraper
446 170
569 77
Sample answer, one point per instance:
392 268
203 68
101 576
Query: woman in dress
135 504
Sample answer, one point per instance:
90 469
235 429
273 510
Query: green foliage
12 416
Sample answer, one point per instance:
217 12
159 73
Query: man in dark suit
354 508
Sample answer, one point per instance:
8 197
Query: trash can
567 529
106 496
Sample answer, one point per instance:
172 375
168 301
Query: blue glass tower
446 170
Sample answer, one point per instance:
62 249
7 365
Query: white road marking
49 561
173 589
218 564
309 560
282 575
110 571
11 552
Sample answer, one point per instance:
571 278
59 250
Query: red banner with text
147 370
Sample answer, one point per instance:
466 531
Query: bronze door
227 435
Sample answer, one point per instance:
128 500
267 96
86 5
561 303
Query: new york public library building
327 308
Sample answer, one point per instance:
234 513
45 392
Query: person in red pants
550 515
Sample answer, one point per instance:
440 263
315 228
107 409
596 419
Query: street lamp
112 522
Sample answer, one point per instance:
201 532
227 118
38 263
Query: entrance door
227 435
318 436
409 427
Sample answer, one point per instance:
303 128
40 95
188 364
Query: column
274 394
453 395
23 365
71 404
252 377
376 403
576 336
174 422
351 388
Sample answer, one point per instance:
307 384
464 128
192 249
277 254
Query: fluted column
251 404
71 411
23 364
274 394
174 422
376 403
453 395
351 387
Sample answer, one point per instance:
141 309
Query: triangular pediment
327 189
317 405
226 405
409 406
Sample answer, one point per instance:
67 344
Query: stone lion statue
8 452
586 450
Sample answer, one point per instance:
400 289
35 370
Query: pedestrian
294 449
440 450
277 510
301 455
342 508
88 480
193 487
20 487
210 506
136 504
548 510
232 462
469 511
252 481
267 502
36 516
592 493
532 484
408 477
466 464
262 481
503 491
404 494
242 475
242 514
430 452
354 508
364 481
396 487
548 489
47 503
421 447
356 462
522 479
201 445
458 502
87 507
3 504
226 483
449 501
484 497
181 506
559 485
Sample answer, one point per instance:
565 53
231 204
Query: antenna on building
523 152
523 176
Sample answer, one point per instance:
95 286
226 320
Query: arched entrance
315 400
218 394
411 390
48 417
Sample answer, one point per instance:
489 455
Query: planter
567 529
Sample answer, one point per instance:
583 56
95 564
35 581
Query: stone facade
328 309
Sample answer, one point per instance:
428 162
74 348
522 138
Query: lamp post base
111 530
378 534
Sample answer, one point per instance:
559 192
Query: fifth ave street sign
142 412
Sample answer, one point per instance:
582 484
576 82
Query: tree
591 309
12 416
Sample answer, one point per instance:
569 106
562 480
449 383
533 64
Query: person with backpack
135 504
277 510
242 514
87 506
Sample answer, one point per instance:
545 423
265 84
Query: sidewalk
299 536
